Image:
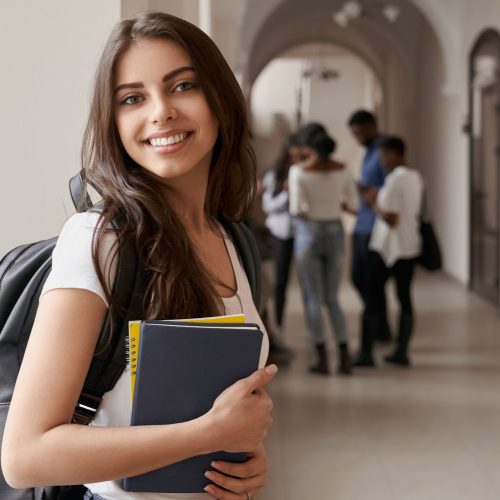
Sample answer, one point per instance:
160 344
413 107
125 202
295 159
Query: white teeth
167 141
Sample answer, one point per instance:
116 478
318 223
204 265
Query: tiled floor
428 433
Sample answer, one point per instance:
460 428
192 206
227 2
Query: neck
187 194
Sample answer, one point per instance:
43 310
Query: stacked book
177 370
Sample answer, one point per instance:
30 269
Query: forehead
150 59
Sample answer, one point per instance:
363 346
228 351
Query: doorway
485 165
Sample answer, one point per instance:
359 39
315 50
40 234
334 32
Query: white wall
48 52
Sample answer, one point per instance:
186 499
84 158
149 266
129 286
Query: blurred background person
319 188
394 245
275 204
363 125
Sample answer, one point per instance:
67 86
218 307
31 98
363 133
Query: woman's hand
241 415
246 478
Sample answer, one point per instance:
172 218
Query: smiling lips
163 141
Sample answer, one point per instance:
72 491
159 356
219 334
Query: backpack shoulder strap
246 247
109 360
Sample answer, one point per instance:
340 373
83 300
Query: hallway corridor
428 433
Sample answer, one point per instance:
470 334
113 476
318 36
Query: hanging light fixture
391 13
354 9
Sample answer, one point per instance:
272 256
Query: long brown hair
178 286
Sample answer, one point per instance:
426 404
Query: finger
221 494
259 378
252 467
236 485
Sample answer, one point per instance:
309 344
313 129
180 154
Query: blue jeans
319 252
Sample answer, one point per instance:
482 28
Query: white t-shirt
72 267
320 194
401 194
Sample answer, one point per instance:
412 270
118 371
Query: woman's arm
351 196
298 200
41 447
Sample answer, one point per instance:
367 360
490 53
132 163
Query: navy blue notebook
182 368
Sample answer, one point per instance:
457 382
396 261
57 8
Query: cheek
125 128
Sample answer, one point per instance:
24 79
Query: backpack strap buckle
86 408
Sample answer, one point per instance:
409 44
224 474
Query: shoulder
83 221
72 260
406 175
78 231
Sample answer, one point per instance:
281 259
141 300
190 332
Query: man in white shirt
395 242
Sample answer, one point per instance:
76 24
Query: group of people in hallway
304 196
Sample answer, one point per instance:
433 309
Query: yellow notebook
134 332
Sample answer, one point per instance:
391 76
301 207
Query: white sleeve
389 197
72 265
270 203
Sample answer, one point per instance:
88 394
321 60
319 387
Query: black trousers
282 263
360 275
402 271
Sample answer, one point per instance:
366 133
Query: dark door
485 165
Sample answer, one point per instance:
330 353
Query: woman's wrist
205 426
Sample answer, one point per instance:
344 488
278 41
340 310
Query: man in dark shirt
363 125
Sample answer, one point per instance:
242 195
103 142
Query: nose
162 110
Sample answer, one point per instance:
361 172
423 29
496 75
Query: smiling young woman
166 145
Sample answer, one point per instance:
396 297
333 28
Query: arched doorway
312 81
485 165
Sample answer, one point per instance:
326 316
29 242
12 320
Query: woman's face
162 116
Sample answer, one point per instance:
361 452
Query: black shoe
398 358
321 367
344 367
364 362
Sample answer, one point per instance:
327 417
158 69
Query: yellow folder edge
134 332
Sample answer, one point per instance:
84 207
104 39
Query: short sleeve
389 197
72 264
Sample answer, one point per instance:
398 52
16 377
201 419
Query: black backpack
23 272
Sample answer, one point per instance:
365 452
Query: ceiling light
341 18
391 13
352 9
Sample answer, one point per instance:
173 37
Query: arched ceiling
273 26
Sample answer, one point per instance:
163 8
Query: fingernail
209 474
210 490
271 369
215 464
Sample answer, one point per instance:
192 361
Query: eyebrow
166 78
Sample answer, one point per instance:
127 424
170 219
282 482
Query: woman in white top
395 244
167 146
320 189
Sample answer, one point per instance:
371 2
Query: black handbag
430 256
